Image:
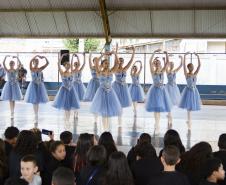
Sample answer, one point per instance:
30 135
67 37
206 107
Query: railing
211 78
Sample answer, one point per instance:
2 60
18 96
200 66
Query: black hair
144 138
63 176
222 141
118 172
96 155
171 155
26 143
29 158
211 165
108 142
85 142
54 145
15 181
172 137
11 132
66 137
145 150
37 134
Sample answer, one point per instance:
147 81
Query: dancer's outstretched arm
166 62
45 65
151 61
199 64
180 66
4 65
131 60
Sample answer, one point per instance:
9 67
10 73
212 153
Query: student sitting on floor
170 157
213 171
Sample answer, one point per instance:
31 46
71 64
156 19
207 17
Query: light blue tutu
190 98
66 98
173 89
78 85
92 87
158 99
36 92
11 90
135 89
122 90
105 101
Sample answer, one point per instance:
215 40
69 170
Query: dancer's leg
76 114
120 118
189 119
66 119
12 107
36 107
95 118
157 120
135 108
105 121
170 120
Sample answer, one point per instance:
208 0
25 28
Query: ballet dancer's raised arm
199 64
45 65
180 66
184 64
18 62
4 61
131 60
59 64
97 64
151 60
83 65
141 67
91 62
116 64
166 62
31 62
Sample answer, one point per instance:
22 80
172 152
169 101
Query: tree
90 44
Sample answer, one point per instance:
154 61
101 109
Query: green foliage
90 44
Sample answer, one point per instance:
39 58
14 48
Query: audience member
93 172
11 134
3 163
212 171
29 169
108 142
63 176
16 181
170 157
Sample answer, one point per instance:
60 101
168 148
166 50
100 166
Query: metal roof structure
113 18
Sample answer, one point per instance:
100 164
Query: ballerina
77 74
190 98
105 102
66 98
11 90
93 84
120 86
158 99
172 87
136 91
36 92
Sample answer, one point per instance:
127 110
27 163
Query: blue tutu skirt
80 89
158 100
106 103
66 99
123 94
36 93
11 91
136 92
174 93
190 99
91 90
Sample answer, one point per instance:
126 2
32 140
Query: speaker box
65 58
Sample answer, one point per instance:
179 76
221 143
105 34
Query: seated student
93 172
63 176
10 134
15 181
144 138
213 171
170 157
66 138
57 157
221 154
29 169
147 164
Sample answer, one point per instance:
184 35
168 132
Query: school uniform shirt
36 180
144 169
169 178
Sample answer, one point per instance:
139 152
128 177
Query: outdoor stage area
207 124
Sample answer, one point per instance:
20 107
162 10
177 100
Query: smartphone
47 132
